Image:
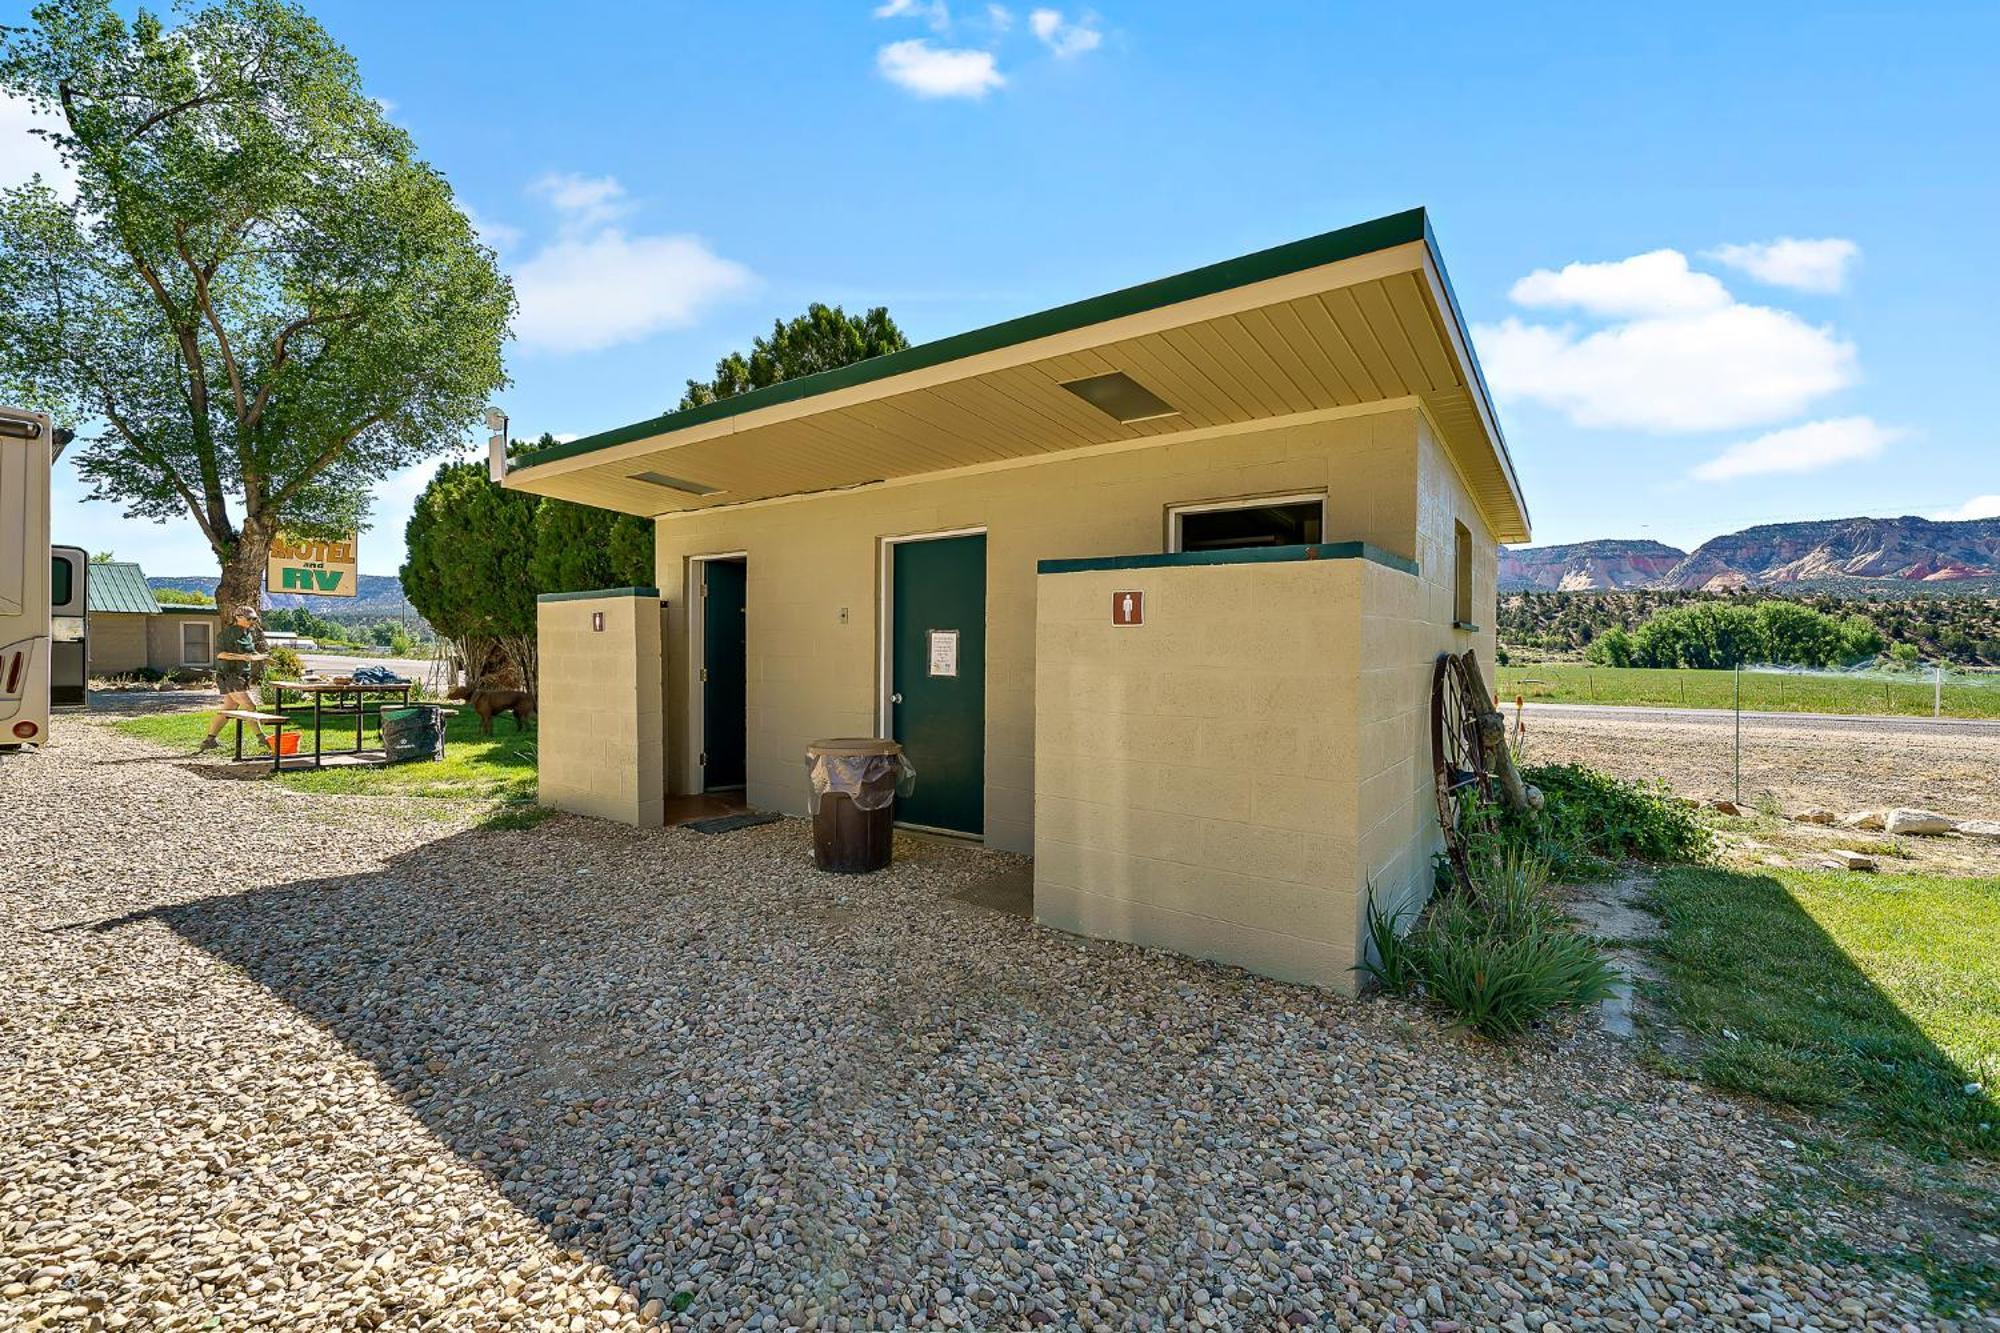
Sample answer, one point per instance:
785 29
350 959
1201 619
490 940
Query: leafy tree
1707 635
1612 648
260 294
580 547
822 338
469 544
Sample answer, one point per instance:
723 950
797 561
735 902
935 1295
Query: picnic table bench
276 721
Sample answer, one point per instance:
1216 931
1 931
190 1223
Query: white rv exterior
27 452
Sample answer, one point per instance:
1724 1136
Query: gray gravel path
304 1063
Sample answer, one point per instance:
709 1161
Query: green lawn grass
500 767
1876 998
1764 692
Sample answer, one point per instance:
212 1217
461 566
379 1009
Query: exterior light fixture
496 444
1122 398
675 483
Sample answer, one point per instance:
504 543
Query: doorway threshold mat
730 823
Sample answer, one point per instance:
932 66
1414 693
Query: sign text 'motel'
309 565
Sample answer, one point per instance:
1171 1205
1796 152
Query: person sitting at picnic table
240 658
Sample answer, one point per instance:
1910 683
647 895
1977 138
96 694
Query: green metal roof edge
1293 257
122 581
597 592
1246 555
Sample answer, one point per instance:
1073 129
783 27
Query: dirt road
1844 763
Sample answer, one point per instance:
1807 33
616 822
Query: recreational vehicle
41 587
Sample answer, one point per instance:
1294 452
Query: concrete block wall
813 673
1196 776
602 727
117 643
1406 623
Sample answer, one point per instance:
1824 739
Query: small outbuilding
131 630
1149 585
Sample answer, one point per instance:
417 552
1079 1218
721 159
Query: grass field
1874 997
500 767
1764 692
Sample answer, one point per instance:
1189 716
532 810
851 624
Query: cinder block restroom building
1149 585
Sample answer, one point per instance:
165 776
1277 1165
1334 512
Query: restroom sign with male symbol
1128 609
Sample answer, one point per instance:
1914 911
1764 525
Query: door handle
895 698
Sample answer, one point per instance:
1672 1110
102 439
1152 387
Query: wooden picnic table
348 697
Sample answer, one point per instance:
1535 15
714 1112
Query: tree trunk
242 582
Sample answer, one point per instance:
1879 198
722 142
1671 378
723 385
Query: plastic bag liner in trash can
410 733
859 770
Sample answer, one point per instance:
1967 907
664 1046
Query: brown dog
489 704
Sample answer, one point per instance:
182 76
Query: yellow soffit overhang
1360 332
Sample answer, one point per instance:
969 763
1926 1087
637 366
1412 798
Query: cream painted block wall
811 674
117 642
1198 786
1406 624
602 724
163 639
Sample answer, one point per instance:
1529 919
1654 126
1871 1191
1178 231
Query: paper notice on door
944 652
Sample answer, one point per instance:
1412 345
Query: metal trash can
416 732
855 782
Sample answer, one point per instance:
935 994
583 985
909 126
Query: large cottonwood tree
259 294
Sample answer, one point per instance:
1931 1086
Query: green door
938 679
723 693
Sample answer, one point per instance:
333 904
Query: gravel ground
344 1063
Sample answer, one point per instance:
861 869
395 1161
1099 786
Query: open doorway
718 598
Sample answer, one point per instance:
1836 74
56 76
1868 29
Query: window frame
1461 577
1175 512
208 643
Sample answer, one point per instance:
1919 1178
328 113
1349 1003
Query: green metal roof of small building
120 585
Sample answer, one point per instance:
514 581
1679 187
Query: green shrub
1589 818
285 664
1499 985
1497 960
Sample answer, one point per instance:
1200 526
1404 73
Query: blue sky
1727 264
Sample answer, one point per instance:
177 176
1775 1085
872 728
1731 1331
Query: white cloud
938 71
1806 448
936 12
1063 38
1979 506
1722 369
23 154
587 292
584 201
596 284
1808 266
1656 283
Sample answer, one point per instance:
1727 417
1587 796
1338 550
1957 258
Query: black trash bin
413 733
855 780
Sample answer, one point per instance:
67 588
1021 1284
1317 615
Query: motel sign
310 565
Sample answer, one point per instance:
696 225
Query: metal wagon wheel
1464 787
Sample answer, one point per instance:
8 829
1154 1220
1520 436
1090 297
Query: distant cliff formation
1861 551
